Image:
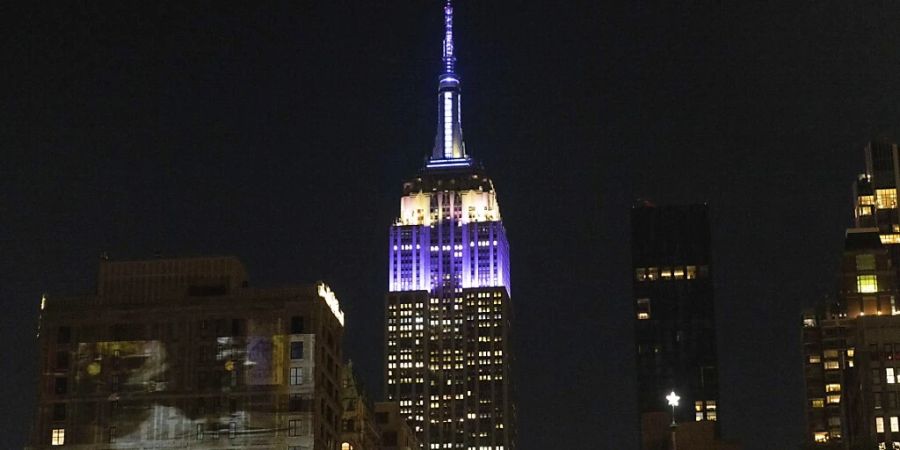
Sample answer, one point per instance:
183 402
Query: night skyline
278 134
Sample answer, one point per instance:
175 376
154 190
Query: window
232 430
831 365
296 376
64 336
895 424
297 350
346 446
698 405
889 374
58 436
866 284
698 416
834 421
865 262
59 411
831 354
295 427
652 273
640 274
876 376
199 431
711 415
866 199
879 424
834 399
60 385
833 387
690 272
818 403
297 325
643 308
111 435
814 359
885 198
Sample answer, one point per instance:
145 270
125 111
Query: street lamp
673 398
673 402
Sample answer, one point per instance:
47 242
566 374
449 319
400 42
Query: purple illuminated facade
448 310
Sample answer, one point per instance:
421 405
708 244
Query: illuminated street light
673 398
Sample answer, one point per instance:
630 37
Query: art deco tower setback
448 309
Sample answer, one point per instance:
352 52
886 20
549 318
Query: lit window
814 359
879 424
665 273
831 365
678 273
866 283
820 436
830 354
346 446
866 199
690 272
833 399
643 316
698 405
895 424
58 436
885 198
833 387
850 352
818 403
652 273
698 416
643 308
710 415
889 373
890 238
864 210
296 376
865 262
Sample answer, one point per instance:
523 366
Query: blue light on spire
448 144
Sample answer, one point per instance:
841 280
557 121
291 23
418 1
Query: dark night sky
280 133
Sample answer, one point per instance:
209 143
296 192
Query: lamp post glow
673 402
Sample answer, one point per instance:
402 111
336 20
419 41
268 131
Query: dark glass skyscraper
448 309
674 311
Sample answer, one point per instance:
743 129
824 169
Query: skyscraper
448 310
674 312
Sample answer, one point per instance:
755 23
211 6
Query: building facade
181 353
448 311
396 434
849 342
674 312
359 431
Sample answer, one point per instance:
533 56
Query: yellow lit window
833 399
698 405
895 424
866 283
851 351
710 415
864 210
885 198
833 387
665 273
652 273
346 446
58 436
643 316
866 199
711 405
814 359
820 436
890 238
865 262
879 424
698 416
690 272
889 372
818 403
831 365
678 273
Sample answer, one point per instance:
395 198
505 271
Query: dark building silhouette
674 312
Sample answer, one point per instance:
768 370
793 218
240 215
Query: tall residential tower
448 310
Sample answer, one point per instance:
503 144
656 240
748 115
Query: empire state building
448 310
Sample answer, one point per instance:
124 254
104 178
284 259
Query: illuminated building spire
449 148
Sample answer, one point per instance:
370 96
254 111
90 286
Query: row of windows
670 273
